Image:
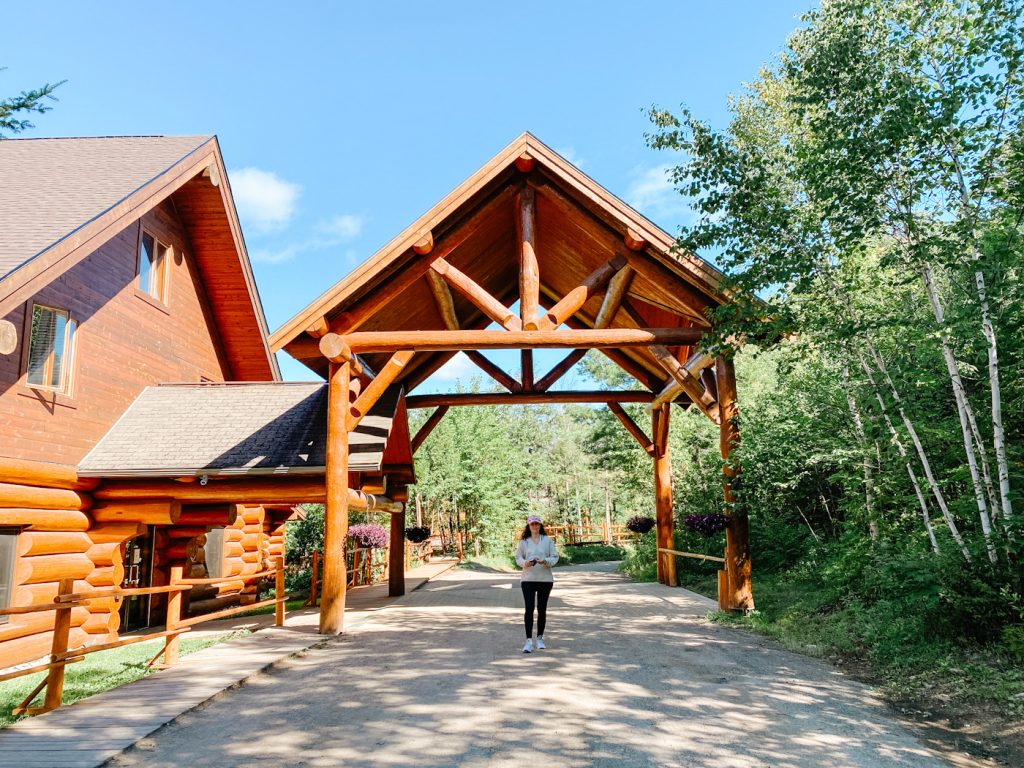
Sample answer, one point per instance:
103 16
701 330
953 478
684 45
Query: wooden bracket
380 383
632 427
571 303
473 291
428 426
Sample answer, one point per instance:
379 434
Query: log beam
739 592
444 301
527 398
571 303
559 370
632 427
428 426
369 397
613 297
685 378
492 370
529 270
446 341
477 294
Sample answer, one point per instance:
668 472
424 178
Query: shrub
417 533
707 525
640 524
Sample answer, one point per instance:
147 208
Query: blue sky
341 125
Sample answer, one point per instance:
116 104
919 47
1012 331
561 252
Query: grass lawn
98 672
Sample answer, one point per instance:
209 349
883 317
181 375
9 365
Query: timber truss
587 271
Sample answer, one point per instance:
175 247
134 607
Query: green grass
98 672
589 553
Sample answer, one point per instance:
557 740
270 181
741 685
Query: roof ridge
116 136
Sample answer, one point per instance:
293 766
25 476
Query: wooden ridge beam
492 370
376 388
428 426
446 341
477 294
571 303
560 370
529 270
632 427
528 398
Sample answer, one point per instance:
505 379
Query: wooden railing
572 535
67 599
360 568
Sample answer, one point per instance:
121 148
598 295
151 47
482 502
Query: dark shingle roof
52 187
233 429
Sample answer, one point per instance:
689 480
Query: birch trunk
962 408
866 463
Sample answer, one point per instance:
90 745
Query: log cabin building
143 423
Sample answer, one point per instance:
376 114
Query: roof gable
579 228
64 198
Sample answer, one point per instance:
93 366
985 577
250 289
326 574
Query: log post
663 495
59 648
332 605
529 272
172 643
396 546
739 593
279 593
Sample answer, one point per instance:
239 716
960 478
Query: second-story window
153 259
51 349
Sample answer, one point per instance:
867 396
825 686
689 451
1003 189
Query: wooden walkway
90 732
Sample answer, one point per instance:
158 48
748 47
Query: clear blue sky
341 125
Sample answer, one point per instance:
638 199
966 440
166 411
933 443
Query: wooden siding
125 341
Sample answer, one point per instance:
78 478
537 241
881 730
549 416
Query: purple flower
368 535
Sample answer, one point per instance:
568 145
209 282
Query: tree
25 103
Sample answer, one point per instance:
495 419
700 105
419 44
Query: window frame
67 377
160 299
7 596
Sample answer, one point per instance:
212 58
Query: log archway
588 272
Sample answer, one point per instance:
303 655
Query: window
8 540
153 258
50 349
214 551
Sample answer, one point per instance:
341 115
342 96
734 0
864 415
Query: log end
524 163
633 240
424 245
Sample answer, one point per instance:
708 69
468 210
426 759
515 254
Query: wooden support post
737 534
332 606
279 593
172 643
529 271
314 585
396 546
663 495
58 648
428 426
527 372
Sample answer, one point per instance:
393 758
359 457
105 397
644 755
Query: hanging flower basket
708 525
417 533
640 524
368 535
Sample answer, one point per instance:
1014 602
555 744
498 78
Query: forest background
870 190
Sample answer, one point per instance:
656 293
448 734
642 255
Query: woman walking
536 554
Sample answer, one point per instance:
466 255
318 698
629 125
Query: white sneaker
528 648
539 642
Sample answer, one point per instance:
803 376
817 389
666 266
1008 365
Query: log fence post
279 593
172 643
59 648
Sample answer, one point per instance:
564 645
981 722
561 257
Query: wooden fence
360 564
67 599
572 535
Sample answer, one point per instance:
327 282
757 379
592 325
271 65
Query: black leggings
536 592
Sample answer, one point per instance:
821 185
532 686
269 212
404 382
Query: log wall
125 341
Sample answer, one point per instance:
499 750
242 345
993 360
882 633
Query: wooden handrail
116 592
228 579
694 555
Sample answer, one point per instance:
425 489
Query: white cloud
569 153
459 367
265 201
274 256
344 226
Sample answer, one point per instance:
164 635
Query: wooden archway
587 271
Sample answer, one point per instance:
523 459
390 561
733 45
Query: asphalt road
634 675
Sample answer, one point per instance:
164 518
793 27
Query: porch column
738 593
332 605
396 556
663 494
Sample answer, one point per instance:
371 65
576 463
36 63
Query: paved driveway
634 676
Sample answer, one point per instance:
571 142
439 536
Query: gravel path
633 676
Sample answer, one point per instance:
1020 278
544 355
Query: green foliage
640 562
25 102
589 553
